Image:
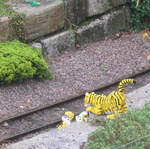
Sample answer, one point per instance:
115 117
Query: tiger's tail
123 82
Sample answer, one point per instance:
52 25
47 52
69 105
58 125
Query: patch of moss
124 129
5 9
18 61
16 18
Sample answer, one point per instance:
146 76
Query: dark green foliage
18 61
122 130
140 15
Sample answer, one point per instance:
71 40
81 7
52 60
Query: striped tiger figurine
66 119
114 102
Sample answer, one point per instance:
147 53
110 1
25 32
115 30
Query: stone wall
57 23
6 30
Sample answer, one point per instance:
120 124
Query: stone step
96 30
6 30
53 15
103 27
42 20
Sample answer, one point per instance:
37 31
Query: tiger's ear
86 94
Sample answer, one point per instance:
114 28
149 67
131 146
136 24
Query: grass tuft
122 130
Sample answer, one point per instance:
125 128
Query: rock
42 20
6 30
95 120
76 11
97 7
38 46
105 26
116 21
58 43
90 33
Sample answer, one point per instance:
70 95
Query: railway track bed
76 73
35 120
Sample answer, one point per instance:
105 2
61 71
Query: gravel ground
74 135
141 80
78 71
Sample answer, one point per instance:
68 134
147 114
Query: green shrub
18 61
122 130
140 15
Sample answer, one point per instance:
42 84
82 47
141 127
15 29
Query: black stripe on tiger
118 97
123 82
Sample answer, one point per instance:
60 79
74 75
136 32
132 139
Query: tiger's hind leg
123 108
112 116
117 110
94 110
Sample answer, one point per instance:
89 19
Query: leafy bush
122 130
140 14
18 61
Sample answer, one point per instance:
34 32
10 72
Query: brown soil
78 71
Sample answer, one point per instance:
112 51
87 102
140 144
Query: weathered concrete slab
42 20
90 33
116 21
6 30
76 11
97 7
70 137
107 25
58 43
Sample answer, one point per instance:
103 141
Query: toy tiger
66 119
114 102
82 117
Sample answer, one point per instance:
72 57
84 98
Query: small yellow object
60 127
70 114
111 116
66 120
82 117
145 35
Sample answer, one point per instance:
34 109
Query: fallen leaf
78 46
145 35
28 101
148 57
5 124
21 107
118 34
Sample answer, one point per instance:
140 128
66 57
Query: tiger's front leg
94 110
122 109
